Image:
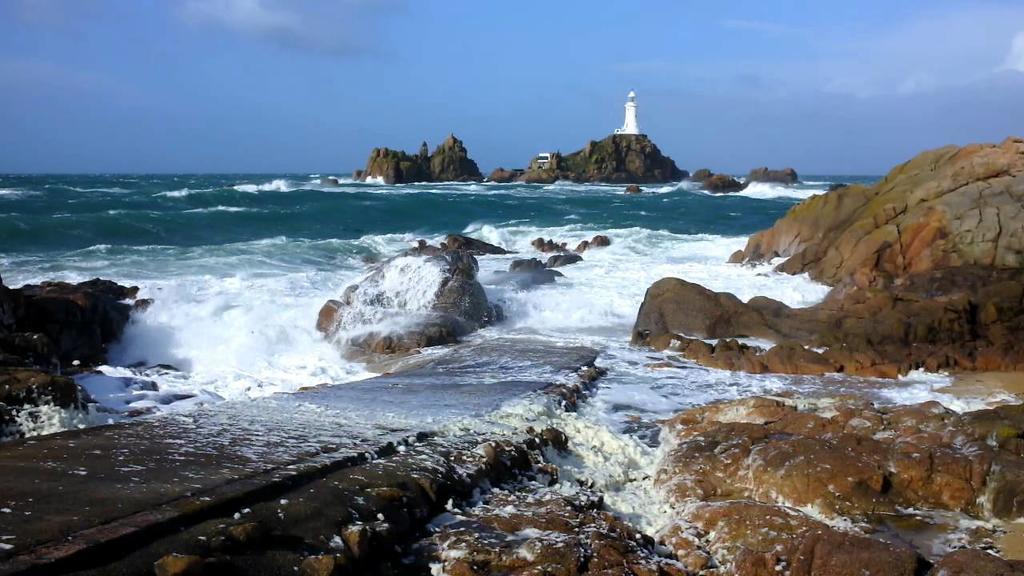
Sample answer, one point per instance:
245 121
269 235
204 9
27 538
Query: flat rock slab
65 492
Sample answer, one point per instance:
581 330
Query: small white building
542 160
630 125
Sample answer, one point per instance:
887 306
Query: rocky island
450 162
617 159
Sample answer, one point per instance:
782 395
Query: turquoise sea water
239 265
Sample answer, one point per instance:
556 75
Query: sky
276 86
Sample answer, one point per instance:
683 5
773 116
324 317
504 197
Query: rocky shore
927 268
49 331
449 162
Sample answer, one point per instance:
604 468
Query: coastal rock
529 272
973 324
598 241
843 457
559 260
329 181
619 158
973 562
471 245
674 306
701 175
721 184
529 532
753 539
24 392
502 176
740 475
450 162
62 321
945 208
453 305
548 245
633 189
786 176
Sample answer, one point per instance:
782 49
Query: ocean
239 265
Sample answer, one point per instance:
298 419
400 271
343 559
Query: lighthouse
630 125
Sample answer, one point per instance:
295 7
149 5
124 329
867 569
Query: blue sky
303 85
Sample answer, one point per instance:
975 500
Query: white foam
183 192
220 209
276 185
11 194
767 190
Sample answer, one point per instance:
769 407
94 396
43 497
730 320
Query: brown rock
471 245
633 189
722 184
785 176
945 208
179 565
975 563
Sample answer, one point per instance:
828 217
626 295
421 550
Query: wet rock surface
47 329
449 303
742 475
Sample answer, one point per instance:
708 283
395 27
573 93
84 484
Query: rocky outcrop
471 245
440 302
450 162
598 241
57 323
502 176
721 184
633 189
619 158
739 476
927 268
946 208
701 174
786 176
972 324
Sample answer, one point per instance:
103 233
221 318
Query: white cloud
328 26
1015 59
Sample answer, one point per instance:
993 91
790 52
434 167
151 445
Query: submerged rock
633 189
559 260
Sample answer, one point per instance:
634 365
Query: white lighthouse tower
630 126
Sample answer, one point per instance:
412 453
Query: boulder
450 162
945 208
528 272
675 306
471 245
619 158
329 181
559 260
786 176
721 184
455 305
633 189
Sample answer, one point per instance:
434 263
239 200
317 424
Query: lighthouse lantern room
630 126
